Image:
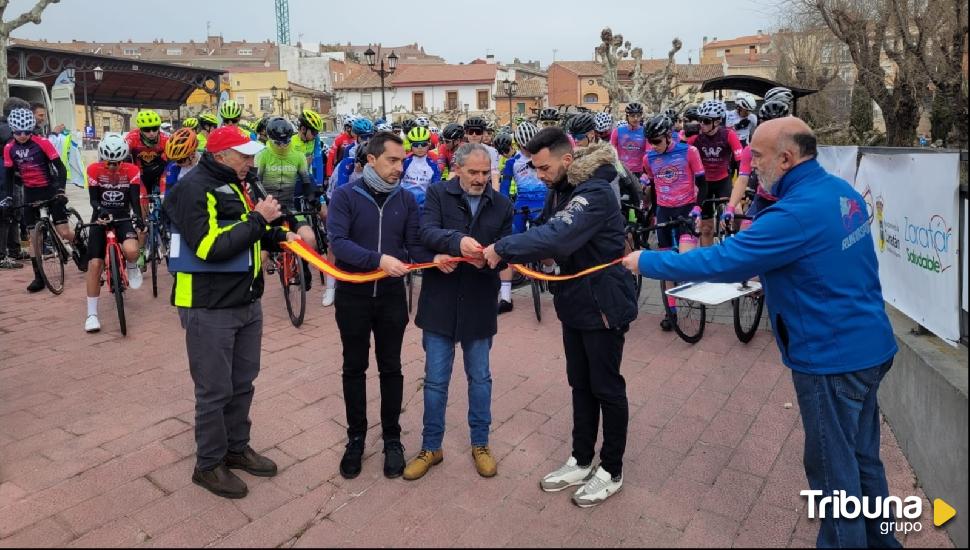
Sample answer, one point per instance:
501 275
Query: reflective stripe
205 245
183 289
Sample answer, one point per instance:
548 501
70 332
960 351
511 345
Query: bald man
814 253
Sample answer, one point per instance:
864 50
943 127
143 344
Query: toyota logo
113 196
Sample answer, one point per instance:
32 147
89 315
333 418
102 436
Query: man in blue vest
814 253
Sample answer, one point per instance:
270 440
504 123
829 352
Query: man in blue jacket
372 224
814 253
586 230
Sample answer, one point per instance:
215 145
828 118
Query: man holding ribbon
457 302
373 224
586 231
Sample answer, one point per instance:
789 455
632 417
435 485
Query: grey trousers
224 348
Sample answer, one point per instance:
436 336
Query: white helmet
712 108
113 148
422 121
384 127
21 120
604 122
525 132
745 103
433 129
779 93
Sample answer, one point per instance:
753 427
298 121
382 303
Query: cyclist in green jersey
283 172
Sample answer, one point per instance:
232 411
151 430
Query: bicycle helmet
525 132
779 93
261 125
181 144
582 123
433 129
279 130
658 126
362 127
113 148
745 103
230 110
712 108
349 121
690 113
503 143
190 122
148 119
407 125
634 109
21 120
476 122
360 155
422 121
490 126
311 119
384 127
419 134
549 114
604 122
208 119
453 132
774 109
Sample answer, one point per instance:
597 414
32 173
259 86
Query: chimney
760 32
490 59
705 40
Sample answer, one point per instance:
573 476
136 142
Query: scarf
375 182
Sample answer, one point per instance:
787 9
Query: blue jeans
840 414
439 359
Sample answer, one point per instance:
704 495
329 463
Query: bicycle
290 269
537 286
47 246
747 309
635 236
114 269
79 250
157 241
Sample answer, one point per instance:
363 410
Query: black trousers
593 360
224 350
357 317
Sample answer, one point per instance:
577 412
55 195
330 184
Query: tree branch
32 16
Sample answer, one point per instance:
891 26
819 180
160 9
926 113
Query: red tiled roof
687 73
757 60
740 41
361 77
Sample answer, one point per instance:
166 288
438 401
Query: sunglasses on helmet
706 120
22 132
419 144
150 129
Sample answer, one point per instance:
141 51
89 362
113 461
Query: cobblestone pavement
96 442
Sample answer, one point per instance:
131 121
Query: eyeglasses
22 132
150 129
474 131
656 141
578 137
419 144
706 120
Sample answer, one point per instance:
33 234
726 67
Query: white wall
348 101
306 68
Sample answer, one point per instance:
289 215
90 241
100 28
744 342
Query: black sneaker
504 306
666 324
393 459
251 462
35 286
350 463
221 482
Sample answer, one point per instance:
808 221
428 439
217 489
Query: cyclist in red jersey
114 188
718 147
451 139
341 141
147 146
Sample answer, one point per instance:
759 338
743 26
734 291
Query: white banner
839 160
913 206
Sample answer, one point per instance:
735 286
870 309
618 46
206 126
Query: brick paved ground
96 445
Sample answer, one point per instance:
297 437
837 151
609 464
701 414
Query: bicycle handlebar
112 221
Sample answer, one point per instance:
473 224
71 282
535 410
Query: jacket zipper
380 234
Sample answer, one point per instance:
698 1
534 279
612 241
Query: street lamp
510 87
371 57
98 77
281 99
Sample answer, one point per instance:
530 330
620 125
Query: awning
750 84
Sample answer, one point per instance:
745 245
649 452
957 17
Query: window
846 74
244 51
316 104
367 100
482 100
417 101
131 51
173 51
451 101
844 55
106 123
752 49
241 100
828 54
727 51
266 104
591 98
520 108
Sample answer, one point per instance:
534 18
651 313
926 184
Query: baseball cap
229 137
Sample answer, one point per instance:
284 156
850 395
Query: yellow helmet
230 109
419 134
209 118
311 119
190 122
147 119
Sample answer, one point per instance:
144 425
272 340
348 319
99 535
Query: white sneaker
328 296
569 475
134 277
599 488
91 324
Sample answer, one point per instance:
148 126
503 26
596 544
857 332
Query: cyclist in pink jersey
718 146
747 178
628 140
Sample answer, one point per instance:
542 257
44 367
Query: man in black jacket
217 296
586 230
457 302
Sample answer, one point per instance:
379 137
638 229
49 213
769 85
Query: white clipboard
713 294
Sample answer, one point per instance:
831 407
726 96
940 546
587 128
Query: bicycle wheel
688 317
536 294
117 287
747 315
46 250
294 291
79 248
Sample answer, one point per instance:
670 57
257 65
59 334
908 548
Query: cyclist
43 176
231 114
674 117
182 153
425 122
190 122
692 122
718 146
260 130
147 149
582 129
604 126
747 178
307 141
452 137
362 131
420 169
474 128
341 141
675 172
114 187
489 133
742 119
505 145
207 123
548 117
628 140
780 93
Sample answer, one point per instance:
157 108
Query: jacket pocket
857 385
615 295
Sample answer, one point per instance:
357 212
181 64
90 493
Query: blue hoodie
814 252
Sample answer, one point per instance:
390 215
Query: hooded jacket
583 231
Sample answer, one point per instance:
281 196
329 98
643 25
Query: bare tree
7 27
609 53
656 90
808 57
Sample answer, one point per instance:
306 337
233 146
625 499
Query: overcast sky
461 32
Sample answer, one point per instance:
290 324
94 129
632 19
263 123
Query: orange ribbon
301 249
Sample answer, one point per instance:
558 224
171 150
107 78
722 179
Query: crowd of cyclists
670 164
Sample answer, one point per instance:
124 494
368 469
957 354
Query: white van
61 109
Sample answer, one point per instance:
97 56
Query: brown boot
484 462
422 463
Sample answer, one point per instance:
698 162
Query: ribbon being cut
300 248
